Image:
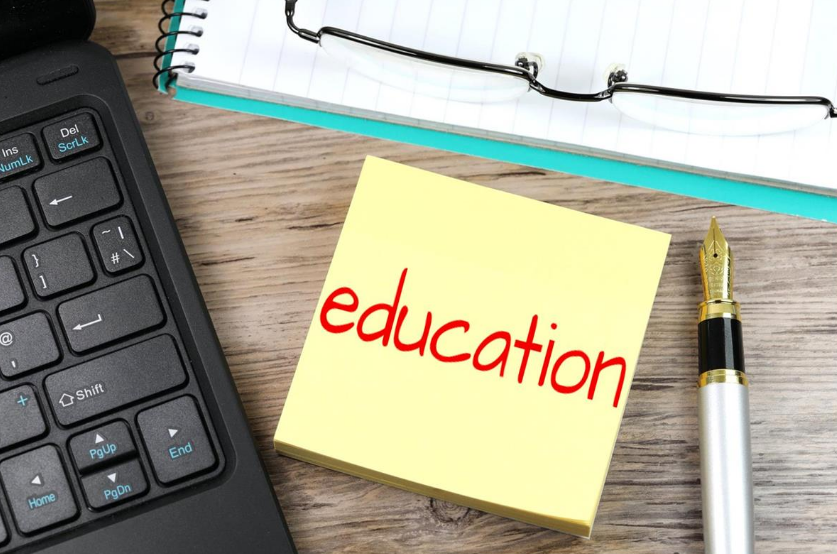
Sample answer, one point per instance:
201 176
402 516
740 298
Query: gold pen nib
716 265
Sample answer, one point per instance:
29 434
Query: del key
72 136
110 314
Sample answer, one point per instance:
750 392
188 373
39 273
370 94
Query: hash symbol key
117 245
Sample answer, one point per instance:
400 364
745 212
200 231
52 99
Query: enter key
111 314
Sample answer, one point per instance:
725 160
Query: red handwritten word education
430 342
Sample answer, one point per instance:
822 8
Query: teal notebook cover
752 195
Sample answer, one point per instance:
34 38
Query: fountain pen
723 407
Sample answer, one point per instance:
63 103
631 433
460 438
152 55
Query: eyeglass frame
528 70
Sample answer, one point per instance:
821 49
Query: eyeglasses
690 111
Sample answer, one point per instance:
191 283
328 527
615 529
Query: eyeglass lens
424 77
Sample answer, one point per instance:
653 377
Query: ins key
18 155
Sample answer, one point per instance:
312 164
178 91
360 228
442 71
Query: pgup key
102 446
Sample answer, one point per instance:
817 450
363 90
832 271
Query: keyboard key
114 485
58 266
111 314
102 446
117 245
37 488
4 535
15 218
176 440
20 417
116 380
77 192
27 344
72 136
11 293
18 155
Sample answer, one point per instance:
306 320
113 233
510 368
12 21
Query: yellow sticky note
474 346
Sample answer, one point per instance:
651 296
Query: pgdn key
114 485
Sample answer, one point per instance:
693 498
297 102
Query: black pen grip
720 345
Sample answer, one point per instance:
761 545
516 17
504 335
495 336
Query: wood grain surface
260 204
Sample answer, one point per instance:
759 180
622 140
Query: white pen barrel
726 468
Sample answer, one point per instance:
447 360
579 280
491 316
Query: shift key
116 380
111 314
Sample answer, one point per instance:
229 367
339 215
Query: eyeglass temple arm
290 8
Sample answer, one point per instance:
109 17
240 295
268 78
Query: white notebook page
744 46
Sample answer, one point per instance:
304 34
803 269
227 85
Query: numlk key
18 155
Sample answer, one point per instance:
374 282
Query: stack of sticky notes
474 346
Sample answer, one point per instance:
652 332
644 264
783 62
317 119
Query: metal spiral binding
169 18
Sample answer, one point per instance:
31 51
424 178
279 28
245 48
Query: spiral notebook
247 60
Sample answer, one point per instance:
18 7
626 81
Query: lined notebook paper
744 46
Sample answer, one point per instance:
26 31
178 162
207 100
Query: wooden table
260 204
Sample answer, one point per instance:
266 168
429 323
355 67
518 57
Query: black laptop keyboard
99 407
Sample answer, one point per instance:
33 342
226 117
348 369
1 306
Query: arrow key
77 192
103 445
58 266
114 485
